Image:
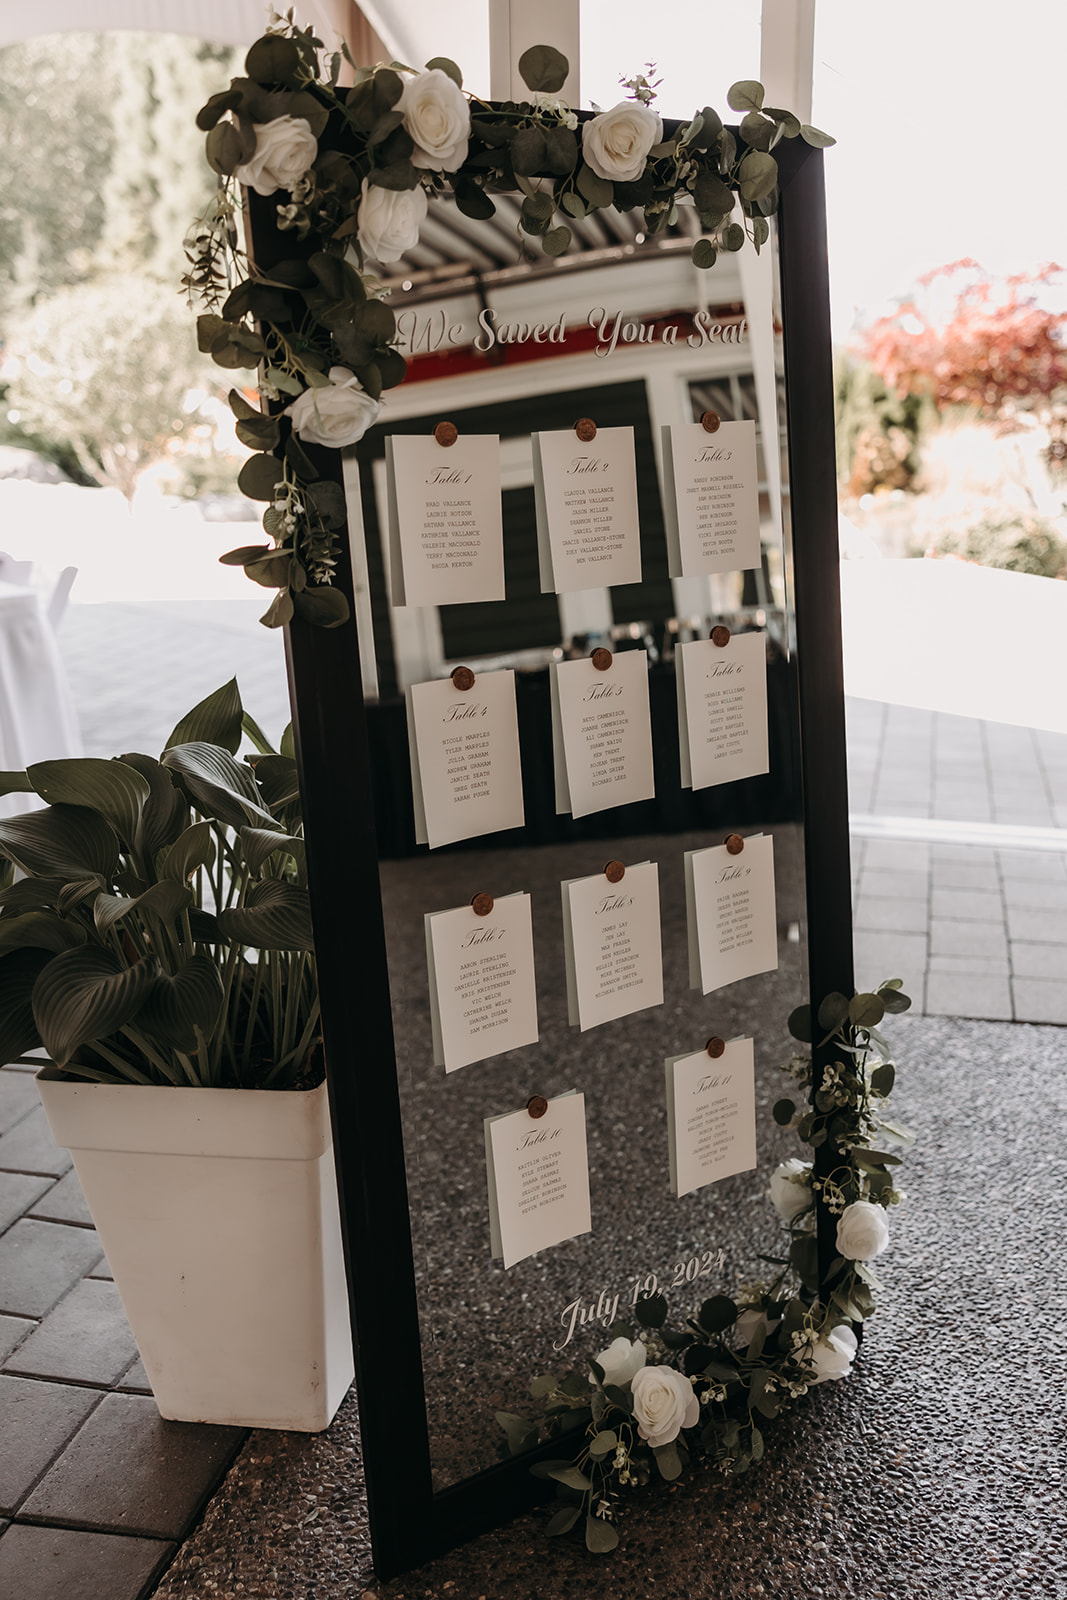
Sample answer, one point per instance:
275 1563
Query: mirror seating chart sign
565 671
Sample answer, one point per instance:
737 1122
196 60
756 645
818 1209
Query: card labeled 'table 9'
483 997
602 734
733 929
466 777
711 1116
538 1171
612 945
586 497
446 534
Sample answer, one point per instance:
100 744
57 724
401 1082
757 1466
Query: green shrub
1017 542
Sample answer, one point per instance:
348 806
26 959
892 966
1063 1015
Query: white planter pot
218 1212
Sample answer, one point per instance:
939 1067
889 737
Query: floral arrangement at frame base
659 1397
355 171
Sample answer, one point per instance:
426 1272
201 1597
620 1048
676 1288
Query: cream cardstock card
722 709
466 777
586 497
711 498
483 997
538 1173
612 946
602 734
733 930
711 1116
446 533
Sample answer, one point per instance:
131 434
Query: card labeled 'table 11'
483 997
538 1171
586 497
612 945
711 499
446 533
733 929
711 1115
602 734
722 710
466 777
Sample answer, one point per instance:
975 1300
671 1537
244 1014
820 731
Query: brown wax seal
715 1047
720 635
463 678
710 421
734 843
601 658
537 1105
614 872
446 433
585 428
482 904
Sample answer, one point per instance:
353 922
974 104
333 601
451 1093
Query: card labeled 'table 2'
602 734
446 533
586 496
538 1171
466 777
483 996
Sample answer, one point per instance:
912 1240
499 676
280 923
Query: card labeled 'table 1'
733 930
538 1171
466 777
711 1115
483 997
602 734
612 945
722 709
446 533
711 498
586 496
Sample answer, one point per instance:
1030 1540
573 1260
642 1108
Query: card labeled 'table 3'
722 710
466 777
538 1171
612 945
483 996
586 497
446 533
711 1115
602 734
711 498
730 904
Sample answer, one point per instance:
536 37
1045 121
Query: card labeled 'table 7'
733 929
466 777
722 709
602 734
446 535
586 497
711 499
483 997
711 1116
538 1170
612 945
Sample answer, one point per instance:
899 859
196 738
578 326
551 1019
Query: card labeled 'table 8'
483 997
733 930
586 497
446 533
612 945
538 1170
466 777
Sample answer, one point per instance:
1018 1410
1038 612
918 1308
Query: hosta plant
154 920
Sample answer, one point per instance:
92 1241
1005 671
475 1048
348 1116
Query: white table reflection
37 717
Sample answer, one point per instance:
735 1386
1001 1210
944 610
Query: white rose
664 1404
621 1360
390 219
862 1231
438 118
790 1190
285 149
616 143
749 1322
337 415
832 1356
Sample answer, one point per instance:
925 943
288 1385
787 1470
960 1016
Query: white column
787 54
515 25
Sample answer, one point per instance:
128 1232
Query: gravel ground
934 1471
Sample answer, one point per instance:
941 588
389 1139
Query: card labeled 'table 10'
602 734
722 709
466 777
538 1170
711 1115
446 533
711 499
586 497
733 930
483 997
612 945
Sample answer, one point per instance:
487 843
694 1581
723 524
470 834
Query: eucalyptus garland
355 169
663 1395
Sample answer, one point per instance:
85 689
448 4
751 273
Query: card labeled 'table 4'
446 534
722 709
711 498
538 1170
586 497
733 931
612 945
483 997
711 1115
466 777
602 734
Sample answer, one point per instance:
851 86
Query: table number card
466 777
731 912
586 497
602 733
711 1115
711 498
722 709
538 1173
611 944
446 533
483 997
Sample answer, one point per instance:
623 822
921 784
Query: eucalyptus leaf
865 1010
543 69
800 1024
556 241
564 1472
602 1444
529 152
817 139
273 59
325 607
882 1079
757 174
668 1461
600 1536
449 68
717 1314
833 1010
280 611
563 1520
87 994
598 191
704 254
745 95
783 1112
259 477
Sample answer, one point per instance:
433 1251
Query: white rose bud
285 149
790 1190
438 118
336 415
622 1359
664 1404
862 1231
390 219
616 143
832 1356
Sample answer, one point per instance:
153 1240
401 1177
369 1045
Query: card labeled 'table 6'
538 1171
711 1116
612 945
466 777
711 498
586 497
602 734
722 709
483 997
733 930
446 535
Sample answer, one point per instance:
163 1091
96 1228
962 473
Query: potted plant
155 939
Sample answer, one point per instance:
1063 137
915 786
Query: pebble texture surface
935 1471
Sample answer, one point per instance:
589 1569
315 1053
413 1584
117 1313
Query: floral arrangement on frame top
359 167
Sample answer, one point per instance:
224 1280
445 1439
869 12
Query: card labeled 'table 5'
602 734
483 997
733 930
538 1170
711 1115
612 945
586 497
466 777
446 534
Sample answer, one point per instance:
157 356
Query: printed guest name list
483 997
602 734
466 777
711 499
446 534
586 497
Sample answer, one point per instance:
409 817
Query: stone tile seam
61 1451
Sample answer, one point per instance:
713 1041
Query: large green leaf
193 850
166 810
259 843
87 994
19 972
600 1536
31 894
278 782
216 720
275 916
112 789
165 900
177 1006
220 787
15 783
40 930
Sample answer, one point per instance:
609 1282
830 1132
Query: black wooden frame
409 1522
